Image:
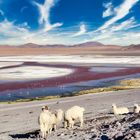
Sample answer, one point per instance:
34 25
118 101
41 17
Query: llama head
136 105
114 106
45 108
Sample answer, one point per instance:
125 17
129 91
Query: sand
14 51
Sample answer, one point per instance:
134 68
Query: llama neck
115 109
59 117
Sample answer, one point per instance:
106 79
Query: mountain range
83 48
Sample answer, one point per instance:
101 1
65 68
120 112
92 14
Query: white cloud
127 39
82 30
114 38
44 10
52 26
125 25
109 9
20 34
100 37
8 29
120 12
23 8
1 13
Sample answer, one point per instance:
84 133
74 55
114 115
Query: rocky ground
105 127
19 121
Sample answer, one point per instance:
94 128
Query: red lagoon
80 74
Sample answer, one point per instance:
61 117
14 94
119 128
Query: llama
48 121
44 122
119 110
72 114
56 119
136 108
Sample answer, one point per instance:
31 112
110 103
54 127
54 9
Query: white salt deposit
5 64
76 59
104 69
33 72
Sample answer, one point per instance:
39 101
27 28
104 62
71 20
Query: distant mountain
77 49
88 44
32 45
96 46
29 45
5 46
133 47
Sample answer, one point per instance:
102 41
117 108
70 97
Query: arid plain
32 71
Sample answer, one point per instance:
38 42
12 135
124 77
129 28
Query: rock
118 124
118 136
74 134
92 130
62 134
137 134
104 137
128 136
107 126
93 136
132 138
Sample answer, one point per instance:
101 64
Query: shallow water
64 90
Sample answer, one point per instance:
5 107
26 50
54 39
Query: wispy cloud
9 30
44 10
120 12
82 30
1 13
118 38
109 9
100 37
20 34
128 24
127 38
23 8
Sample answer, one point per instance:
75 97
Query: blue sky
69 21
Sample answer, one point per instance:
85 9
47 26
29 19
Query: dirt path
22 118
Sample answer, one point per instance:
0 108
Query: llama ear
55 113
113 104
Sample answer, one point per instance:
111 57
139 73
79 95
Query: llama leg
65 124
72 124
54 127
50 131
42 130
81 121
44 134
50 127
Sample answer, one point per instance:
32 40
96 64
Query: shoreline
124 85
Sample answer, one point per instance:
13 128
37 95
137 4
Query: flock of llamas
49 121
